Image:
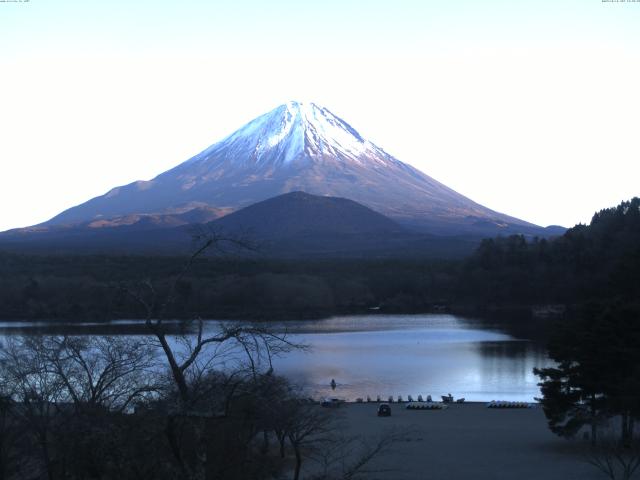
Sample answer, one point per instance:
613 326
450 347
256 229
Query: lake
385 355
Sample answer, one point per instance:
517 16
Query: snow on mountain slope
299 147
289 132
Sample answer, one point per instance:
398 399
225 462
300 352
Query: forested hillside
596 262
589 262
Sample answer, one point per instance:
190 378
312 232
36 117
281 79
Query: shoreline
480 310
467 441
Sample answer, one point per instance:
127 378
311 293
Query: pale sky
531 108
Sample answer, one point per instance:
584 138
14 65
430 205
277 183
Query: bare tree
66 395
11 436
615 459
105 372
258 343
307 429
38 395
243 351
350 457
315 433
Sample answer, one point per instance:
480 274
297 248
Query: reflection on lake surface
389 355
411 355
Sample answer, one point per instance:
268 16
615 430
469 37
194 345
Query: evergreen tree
597 372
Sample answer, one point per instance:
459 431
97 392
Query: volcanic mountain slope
300 214
299 147
291 225
298 224
134 233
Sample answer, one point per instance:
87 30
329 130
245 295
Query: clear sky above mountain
528 107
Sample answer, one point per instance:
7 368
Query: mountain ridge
300 147
292 225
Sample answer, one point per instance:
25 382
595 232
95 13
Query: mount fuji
295 147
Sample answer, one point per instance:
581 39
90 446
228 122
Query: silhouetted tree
596 376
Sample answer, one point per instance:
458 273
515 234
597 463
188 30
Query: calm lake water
394 355
411 355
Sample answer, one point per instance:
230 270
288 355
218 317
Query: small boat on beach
426 406
507 404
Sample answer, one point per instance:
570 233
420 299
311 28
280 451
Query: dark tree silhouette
596 377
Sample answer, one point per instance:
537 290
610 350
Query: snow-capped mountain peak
292 132
297 146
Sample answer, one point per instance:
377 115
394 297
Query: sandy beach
469 441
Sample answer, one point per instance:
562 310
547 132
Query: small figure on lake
333 384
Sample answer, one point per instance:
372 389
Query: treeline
600 261
94 287
593 389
